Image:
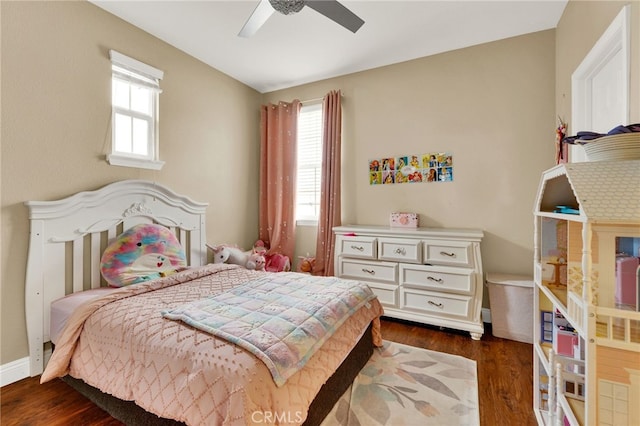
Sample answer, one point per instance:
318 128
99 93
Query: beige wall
491 106
55 130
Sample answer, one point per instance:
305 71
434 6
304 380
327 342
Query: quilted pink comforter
283 319
121 344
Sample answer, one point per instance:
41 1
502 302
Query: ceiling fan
332 9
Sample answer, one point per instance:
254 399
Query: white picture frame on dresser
427 275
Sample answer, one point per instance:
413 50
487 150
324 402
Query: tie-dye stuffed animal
142 253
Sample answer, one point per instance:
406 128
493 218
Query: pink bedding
121 345
283 319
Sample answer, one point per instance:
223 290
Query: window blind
309 162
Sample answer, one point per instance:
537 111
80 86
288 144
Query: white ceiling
306 47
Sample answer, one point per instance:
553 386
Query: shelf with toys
586 303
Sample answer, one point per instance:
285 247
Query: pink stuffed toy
260 247
277 263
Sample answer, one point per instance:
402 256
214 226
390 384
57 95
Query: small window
135 90
309 173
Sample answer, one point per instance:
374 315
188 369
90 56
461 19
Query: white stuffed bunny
233 255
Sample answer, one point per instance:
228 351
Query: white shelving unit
586 335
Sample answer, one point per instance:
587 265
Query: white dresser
428 275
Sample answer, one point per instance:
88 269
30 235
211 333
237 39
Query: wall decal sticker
431 167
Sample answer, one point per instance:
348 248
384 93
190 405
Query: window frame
309 220
136 74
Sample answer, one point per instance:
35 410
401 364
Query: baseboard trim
486 315
14 371
17 370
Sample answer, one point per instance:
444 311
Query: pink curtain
278 135
330 212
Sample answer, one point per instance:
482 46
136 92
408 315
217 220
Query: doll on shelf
561 133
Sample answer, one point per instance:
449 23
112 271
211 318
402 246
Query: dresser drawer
368 271
400 250
435 303
448 253
361 247
387 293
439 278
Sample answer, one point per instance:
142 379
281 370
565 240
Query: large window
309 163
135 89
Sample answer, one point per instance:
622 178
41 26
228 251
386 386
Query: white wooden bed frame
69 235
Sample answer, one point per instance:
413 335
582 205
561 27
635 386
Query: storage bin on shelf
511 301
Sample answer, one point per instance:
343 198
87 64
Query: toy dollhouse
586 307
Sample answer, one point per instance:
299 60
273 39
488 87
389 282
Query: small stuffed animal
256 261
220 255
277 263
260 247
306 263
227 254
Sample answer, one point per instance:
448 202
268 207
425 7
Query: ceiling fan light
287 7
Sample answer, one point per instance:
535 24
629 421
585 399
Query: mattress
61 309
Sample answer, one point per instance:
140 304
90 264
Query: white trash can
511 300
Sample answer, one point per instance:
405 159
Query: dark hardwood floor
504 368
504 382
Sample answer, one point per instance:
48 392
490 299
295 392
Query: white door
600 85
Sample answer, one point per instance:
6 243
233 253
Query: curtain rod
308 101
314 100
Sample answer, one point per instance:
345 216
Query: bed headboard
68 236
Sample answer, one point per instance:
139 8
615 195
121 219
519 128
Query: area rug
403 385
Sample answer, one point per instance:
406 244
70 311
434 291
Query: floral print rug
403 385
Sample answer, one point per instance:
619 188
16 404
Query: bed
116 345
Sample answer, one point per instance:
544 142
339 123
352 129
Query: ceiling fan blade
261 13
335 11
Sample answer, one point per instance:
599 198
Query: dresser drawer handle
401 250
437 305
444 253
438 280
369 271
359 248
